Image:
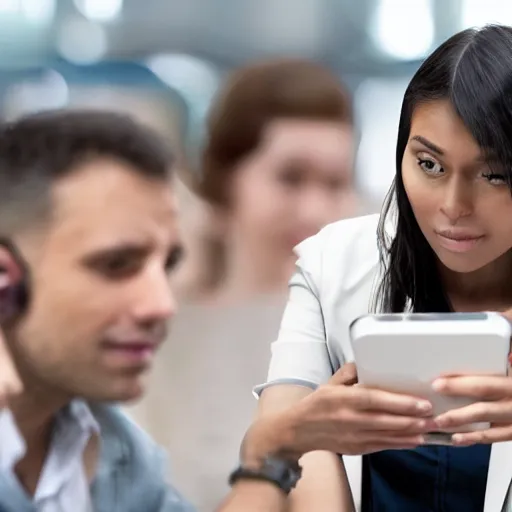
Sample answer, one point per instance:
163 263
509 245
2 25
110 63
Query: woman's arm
337 417
254 496
323 486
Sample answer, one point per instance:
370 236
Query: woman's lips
458 242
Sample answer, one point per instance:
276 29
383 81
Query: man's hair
38 150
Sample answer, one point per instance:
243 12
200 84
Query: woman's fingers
379 441
492 412
383 401
484 387
495 434
380 422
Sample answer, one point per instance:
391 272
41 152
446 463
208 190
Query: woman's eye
495 179
430 166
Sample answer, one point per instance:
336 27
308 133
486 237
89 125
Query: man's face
100 296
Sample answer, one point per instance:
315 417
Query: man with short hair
88 236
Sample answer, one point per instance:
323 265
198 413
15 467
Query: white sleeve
300 355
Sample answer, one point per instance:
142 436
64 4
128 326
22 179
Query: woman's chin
461 264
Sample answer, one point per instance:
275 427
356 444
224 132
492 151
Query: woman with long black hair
442 244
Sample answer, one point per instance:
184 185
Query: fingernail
421 440
423 406
438 384
457 439
441 422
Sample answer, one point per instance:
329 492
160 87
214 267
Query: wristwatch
280 472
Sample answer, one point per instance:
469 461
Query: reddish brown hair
252 97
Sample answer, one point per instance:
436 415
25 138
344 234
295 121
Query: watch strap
282 473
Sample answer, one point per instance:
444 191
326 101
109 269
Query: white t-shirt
337 275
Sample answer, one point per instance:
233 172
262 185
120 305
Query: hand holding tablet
410 353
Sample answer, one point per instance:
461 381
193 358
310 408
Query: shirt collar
12 445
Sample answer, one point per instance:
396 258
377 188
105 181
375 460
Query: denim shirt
131 475
427 479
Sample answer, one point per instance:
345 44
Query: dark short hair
39 149
473 71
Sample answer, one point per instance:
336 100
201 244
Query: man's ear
11 273
13 283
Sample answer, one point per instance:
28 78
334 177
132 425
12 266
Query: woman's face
298 180
463 207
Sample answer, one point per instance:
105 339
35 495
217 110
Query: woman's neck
488 288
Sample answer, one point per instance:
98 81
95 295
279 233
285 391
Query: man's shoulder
137 463
122 437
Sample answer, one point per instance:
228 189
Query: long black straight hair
472 70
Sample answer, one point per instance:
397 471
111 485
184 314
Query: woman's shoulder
344 255
341 239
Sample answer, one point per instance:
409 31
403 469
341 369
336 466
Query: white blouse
337 273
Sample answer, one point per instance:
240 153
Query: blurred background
165 62
175 53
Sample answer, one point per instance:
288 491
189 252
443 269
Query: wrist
272 436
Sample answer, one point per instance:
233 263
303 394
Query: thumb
345 376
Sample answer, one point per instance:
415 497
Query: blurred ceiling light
196 81
49 92
9 6
403 29
81 41
189 75
479 12
100 10
286 25
39 12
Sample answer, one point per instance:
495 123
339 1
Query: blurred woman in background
277 166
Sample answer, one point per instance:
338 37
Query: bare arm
294 422
323 486
253 496
336 418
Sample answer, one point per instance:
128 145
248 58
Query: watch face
283 472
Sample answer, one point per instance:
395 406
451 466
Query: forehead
439 123
304 138
104 201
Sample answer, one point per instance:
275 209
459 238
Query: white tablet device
405 353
